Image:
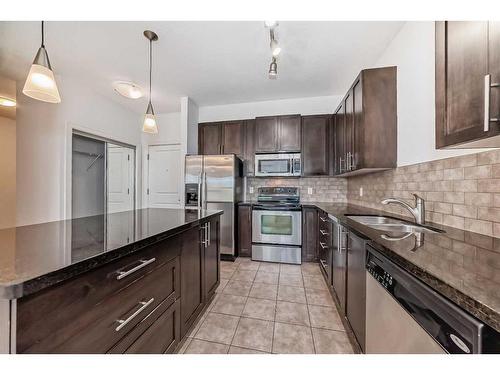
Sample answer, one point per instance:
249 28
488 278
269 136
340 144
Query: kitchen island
127 282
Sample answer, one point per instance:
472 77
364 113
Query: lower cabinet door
192 277
158 333
356 286
212 271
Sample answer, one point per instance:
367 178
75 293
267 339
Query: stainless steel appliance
403 315
214 182
278 165
277 225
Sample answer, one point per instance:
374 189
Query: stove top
278 197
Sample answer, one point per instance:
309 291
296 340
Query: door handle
487 88
123 323
208 232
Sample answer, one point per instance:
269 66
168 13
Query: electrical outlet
309 190
361 191
251 189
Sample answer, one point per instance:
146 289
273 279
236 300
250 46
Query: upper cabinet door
266 134
462 51
315 137
340 162
289 133
494 70
349 130
232 139
249 141
209 139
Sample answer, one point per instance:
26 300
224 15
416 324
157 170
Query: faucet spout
418 211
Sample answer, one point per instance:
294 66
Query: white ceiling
216 62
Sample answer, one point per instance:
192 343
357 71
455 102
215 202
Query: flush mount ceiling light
41 84
273 69
128 89
149 125
6 102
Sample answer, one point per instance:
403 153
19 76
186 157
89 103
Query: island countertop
34 257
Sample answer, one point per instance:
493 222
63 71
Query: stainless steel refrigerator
214 182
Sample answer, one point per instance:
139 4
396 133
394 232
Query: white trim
67 163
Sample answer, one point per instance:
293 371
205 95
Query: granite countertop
463 266
34 257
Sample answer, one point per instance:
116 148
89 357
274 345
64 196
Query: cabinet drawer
58 321
157 333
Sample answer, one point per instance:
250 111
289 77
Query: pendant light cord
43 37
150 65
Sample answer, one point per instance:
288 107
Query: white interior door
120 178
165 176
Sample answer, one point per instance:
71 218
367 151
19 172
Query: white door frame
146 172
67 161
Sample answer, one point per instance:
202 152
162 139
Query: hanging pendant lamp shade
41 83
149 125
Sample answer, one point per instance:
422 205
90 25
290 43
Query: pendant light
41 84
149 125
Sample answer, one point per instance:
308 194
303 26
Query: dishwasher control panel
383 277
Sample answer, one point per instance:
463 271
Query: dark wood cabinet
158 333
289 134
366 124
192 285
467 52
211 258
278 133
356 287
310 231
340 153
249 152
232 138
245 230
339 264
209 138
316 145
266 134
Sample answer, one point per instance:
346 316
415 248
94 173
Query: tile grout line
309 318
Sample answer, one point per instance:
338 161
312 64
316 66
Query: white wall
44 142
412 51
304 106
193 116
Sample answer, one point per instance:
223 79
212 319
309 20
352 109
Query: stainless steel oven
278 165
281 227
277 225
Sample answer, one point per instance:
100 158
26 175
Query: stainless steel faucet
418 211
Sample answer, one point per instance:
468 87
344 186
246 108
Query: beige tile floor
269 308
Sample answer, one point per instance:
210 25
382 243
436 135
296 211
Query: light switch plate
361 191
309 190
251 189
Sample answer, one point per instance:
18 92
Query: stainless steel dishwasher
403 315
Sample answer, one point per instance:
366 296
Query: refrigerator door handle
199 189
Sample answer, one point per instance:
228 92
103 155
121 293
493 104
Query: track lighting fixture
273 69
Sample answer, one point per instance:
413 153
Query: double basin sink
390 224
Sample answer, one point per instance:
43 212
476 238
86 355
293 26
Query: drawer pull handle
143 304
323 245
324 233
142 263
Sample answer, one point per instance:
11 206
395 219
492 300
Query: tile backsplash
324 189
461 192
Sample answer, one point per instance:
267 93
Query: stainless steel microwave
278 165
